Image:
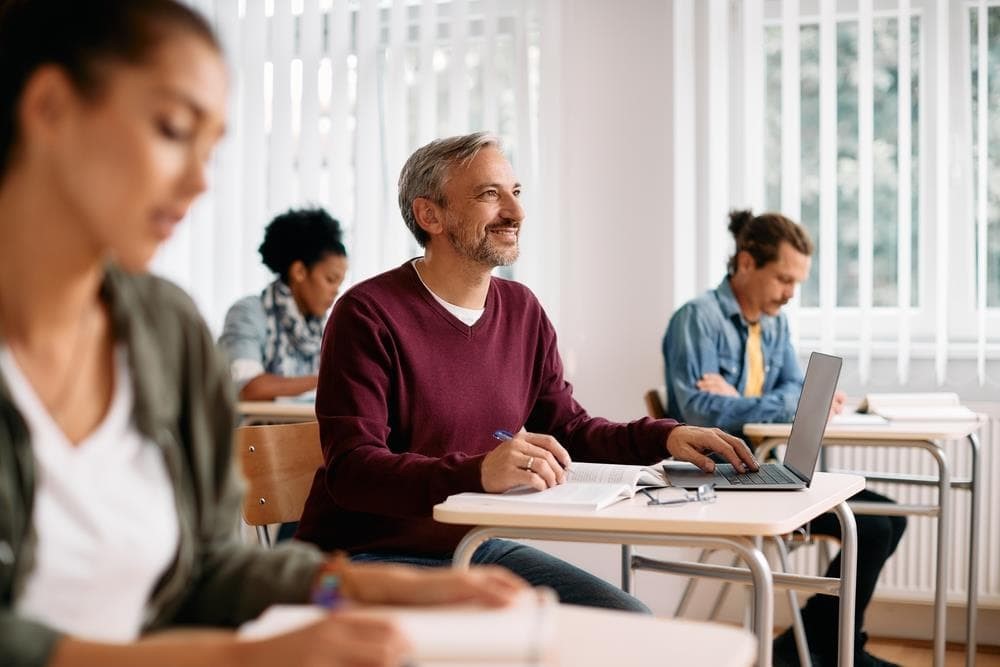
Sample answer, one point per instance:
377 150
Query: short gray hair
427 170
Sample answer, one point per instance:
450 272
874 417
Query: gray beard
483 252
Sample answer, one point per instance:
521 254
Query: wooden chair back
279 462
654 404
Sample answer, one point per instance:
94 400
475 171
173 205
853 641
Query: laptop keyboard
768 473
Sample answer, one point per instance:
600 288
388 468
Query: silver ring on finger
531 460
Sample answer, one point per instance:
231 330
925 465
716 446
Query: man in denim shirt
711 380
729 361
704 350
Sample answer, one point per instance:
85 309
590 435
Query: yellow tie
755 363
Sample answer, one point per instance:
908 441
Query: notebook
801 453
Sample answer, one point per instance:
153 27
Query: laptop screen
811 414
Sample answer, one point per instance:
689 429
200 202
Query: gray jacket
184 404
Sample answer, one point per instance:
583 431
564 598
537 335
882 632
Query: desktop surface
762 513
911 430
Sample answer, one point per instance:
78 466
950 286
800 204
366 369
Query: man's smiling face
482 211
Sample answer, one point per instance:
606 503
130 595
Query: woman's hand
385 583
340 639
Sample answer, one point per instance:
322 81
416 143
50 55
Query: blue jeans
571 584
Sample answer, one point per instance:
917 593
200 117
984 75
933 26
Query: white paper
610 473
577 495
522 631
858 419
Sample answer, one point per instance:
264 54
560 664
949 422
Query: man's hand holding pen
524 459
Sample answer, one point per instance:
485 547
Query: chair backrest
654 404
279 462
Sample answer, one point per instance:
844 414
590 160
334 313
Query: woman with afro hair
273 338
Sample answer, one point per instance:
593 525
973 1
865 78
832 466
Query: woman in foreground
118 498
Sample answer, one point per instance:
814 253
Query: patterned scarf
293 340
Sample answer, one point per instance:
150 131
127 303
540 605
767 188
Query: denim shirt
709 335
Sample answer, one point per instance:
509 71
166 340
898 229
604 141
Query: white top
467 316
104 515
733 513
244 370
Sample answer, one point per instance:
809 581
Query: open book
917 407
589 486
467 635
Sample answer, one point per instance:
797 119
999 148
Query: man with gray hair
424 366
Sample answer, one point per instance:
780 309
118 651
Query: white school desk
256 412
581 637
586 637
729 523
928 436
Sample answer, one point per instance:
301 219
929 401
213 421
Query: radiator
909 575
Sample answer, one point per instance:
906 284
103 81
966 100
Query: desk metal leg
848 582
943 512
798 630
627 568
972 597
943 544
760 570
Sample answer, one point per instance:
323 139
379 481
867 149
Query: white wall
613 198
606 158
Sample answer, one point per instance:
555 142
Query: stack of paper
521 633
928 407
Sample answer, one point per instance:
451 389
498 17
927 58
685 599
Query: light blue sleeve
690 350
243 337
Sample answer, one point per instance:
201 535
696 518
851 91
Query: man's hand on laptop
692 443
527 459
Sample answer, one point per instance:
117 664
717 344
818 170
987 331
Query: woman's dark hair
79 36
762 235
307 235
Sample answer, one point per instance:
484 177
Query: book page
877 402
580 495
521 632
610 473
928 413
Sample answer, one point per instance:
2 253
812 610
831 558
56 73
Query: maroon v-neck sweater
409 398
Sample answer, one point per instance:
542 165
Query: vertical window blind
327 100
876 124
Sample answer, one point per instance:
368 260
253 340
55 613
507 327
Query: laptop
801 453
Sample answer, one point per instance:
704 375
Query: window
908 228
328 98
886 144
984 56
